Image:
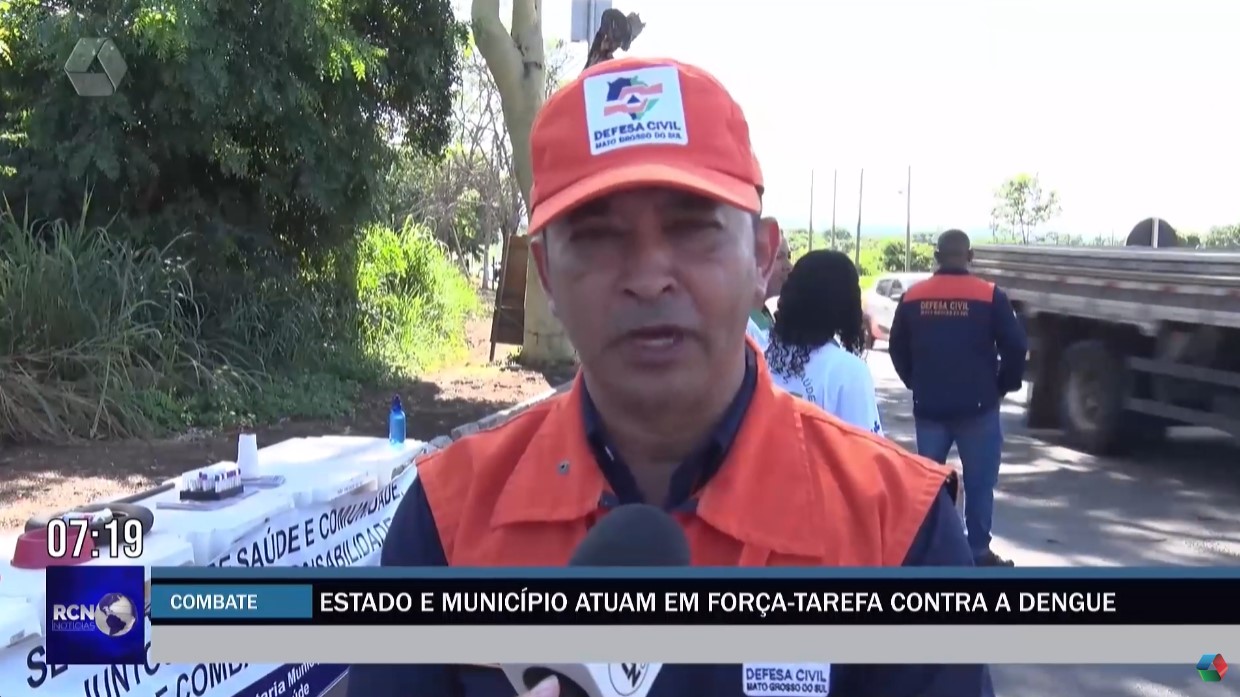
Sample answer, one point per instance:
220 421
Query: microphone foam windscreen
634 535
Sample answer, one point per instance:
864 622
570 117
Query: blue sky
1128 109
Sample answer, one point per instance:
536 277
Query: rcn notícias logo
113 615
631 96
1212 667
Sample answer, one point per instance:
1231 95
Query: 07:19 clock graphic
116 538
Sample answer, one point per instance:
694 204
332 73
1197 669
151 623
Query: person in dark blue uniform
957 344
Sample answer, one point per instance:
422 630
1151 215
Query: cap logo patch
639 107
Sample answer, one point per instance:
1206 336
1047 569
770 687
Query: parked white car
878 304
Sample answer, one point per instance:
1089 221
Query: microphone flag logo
626 678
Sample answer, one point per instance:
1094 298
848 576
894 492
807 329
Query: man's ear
766 248
538 252
970 256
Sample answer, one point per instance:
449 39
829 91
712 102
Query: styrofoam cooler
21 623
322 469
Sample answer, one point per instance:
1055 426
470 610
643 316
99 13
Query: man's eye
592 232
693 226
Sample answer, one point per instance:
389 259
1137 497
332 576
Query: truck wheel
1145 429
1092 403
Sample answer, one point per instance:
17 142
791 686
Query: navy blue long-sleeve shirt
958 345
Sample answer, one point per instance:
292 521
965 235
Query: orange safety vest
964 287
798 488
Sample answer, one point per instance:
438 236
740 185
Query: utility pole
811 210
860 197
908 222
835 183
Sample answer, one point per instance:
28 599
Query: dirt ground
45 478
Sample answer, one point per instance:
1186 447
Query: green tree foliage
1021 205
440 194
798 240
1223 236
871 259
469 198
260 125
226 268
1062 239
922 258
839 238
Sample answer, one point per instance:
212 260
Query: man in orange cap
646 217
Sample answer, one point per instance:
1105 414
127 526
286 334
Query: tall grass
413 303
99 338
93 333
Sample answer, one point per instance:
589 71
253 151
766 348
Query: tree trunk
518 64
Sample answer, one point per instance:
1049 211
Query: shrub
99 338
922 258
871 259
413 301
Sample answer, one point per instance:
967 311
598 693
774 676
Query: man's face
781 269
654 287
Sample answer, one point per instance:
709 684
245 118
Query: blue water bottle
396 423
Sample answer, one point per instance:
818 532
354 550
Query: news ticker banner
695 615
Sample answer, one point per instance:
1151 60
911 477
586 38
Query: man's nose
649 271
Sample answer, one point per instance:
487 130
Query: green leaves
1223 236
1021 205
271 118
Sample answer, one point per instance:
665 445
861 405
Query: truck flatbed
1125 341
1138 286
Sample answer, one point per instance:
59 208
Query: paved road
1176 506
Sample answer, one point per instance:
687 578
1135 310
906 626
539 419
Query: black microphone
631 535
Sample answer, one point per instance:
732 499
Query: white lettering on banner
353 550
344 533
24 671
159 679
347 532
149 678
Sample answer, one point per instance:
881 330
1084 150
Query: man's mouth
656 337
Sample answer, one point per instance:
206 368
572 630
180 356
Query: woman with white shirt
817 341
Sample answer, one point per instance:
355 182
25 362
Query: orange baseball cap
635 122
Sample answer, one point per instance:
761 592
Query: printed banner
346 532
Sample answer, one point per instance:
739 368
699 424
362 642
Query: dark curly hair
820 302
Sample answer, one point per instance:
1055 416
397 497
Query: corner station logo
631 96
